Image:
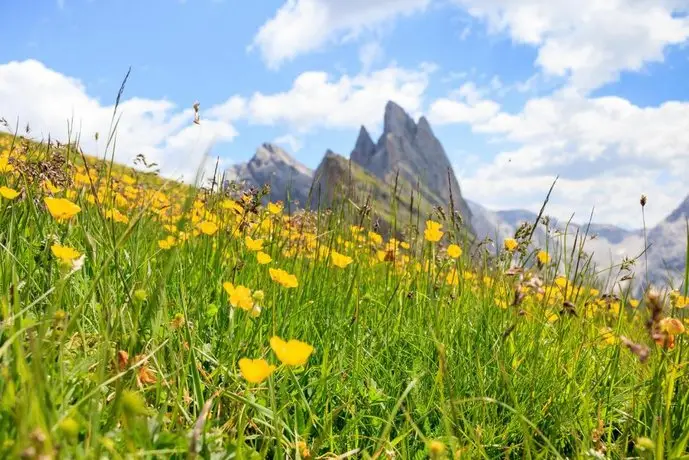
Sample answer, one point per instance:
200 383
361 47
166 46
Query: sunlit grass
141 316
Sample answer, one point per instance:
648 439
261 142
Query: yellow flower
254 245
233 206
543 257
510 244
672 326
454 251
255 370
65 253
283 278
117 216
241 298
607 336
340 260
207 227
275 208
229 287
8 193
61 209
263 258
677 300
167 243
375 237
291 353
433 231
5 166
51 188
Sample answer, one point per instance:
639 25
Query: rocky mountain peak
289 180
364 147
397 121
272 156
413 152
424 127
681 211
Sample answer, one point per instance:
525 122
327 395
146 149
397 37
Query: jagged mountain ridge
407 153
272 165
412 150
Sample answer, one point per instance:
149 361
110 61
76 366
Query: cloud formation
31 93
303 26
588 41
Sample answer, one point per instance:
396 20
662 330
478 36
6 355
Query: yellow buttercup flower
253 245
283 278
292 352
228 287
117 216
255 370
454 251
510 244
240 297
433 231
275 208
543 257
65 253
61 209
263 258
5 166
208 227
8 193
167 243
340 260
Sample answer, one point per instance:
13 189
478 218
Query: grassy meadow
141 318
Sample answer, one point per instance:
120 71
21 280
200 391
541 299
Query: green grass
401 358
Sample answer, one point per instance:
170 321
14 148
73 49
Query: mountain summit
412 150
406 148
274 166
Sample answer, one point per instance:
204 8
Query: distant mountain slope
667 246
608 245
412 150
273 166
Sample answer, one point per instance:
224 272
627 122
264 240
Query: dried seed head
196 112
643 200
641 351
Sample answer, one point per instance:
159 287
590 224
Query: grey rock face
412 150
667 243
273 166
364 147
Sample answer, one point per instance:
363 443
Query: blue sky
517 92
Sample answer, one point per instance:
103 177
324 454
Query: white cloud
231 110
369 53
317 100
47 100
292 141
466 105
302 26
607 151
589 41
